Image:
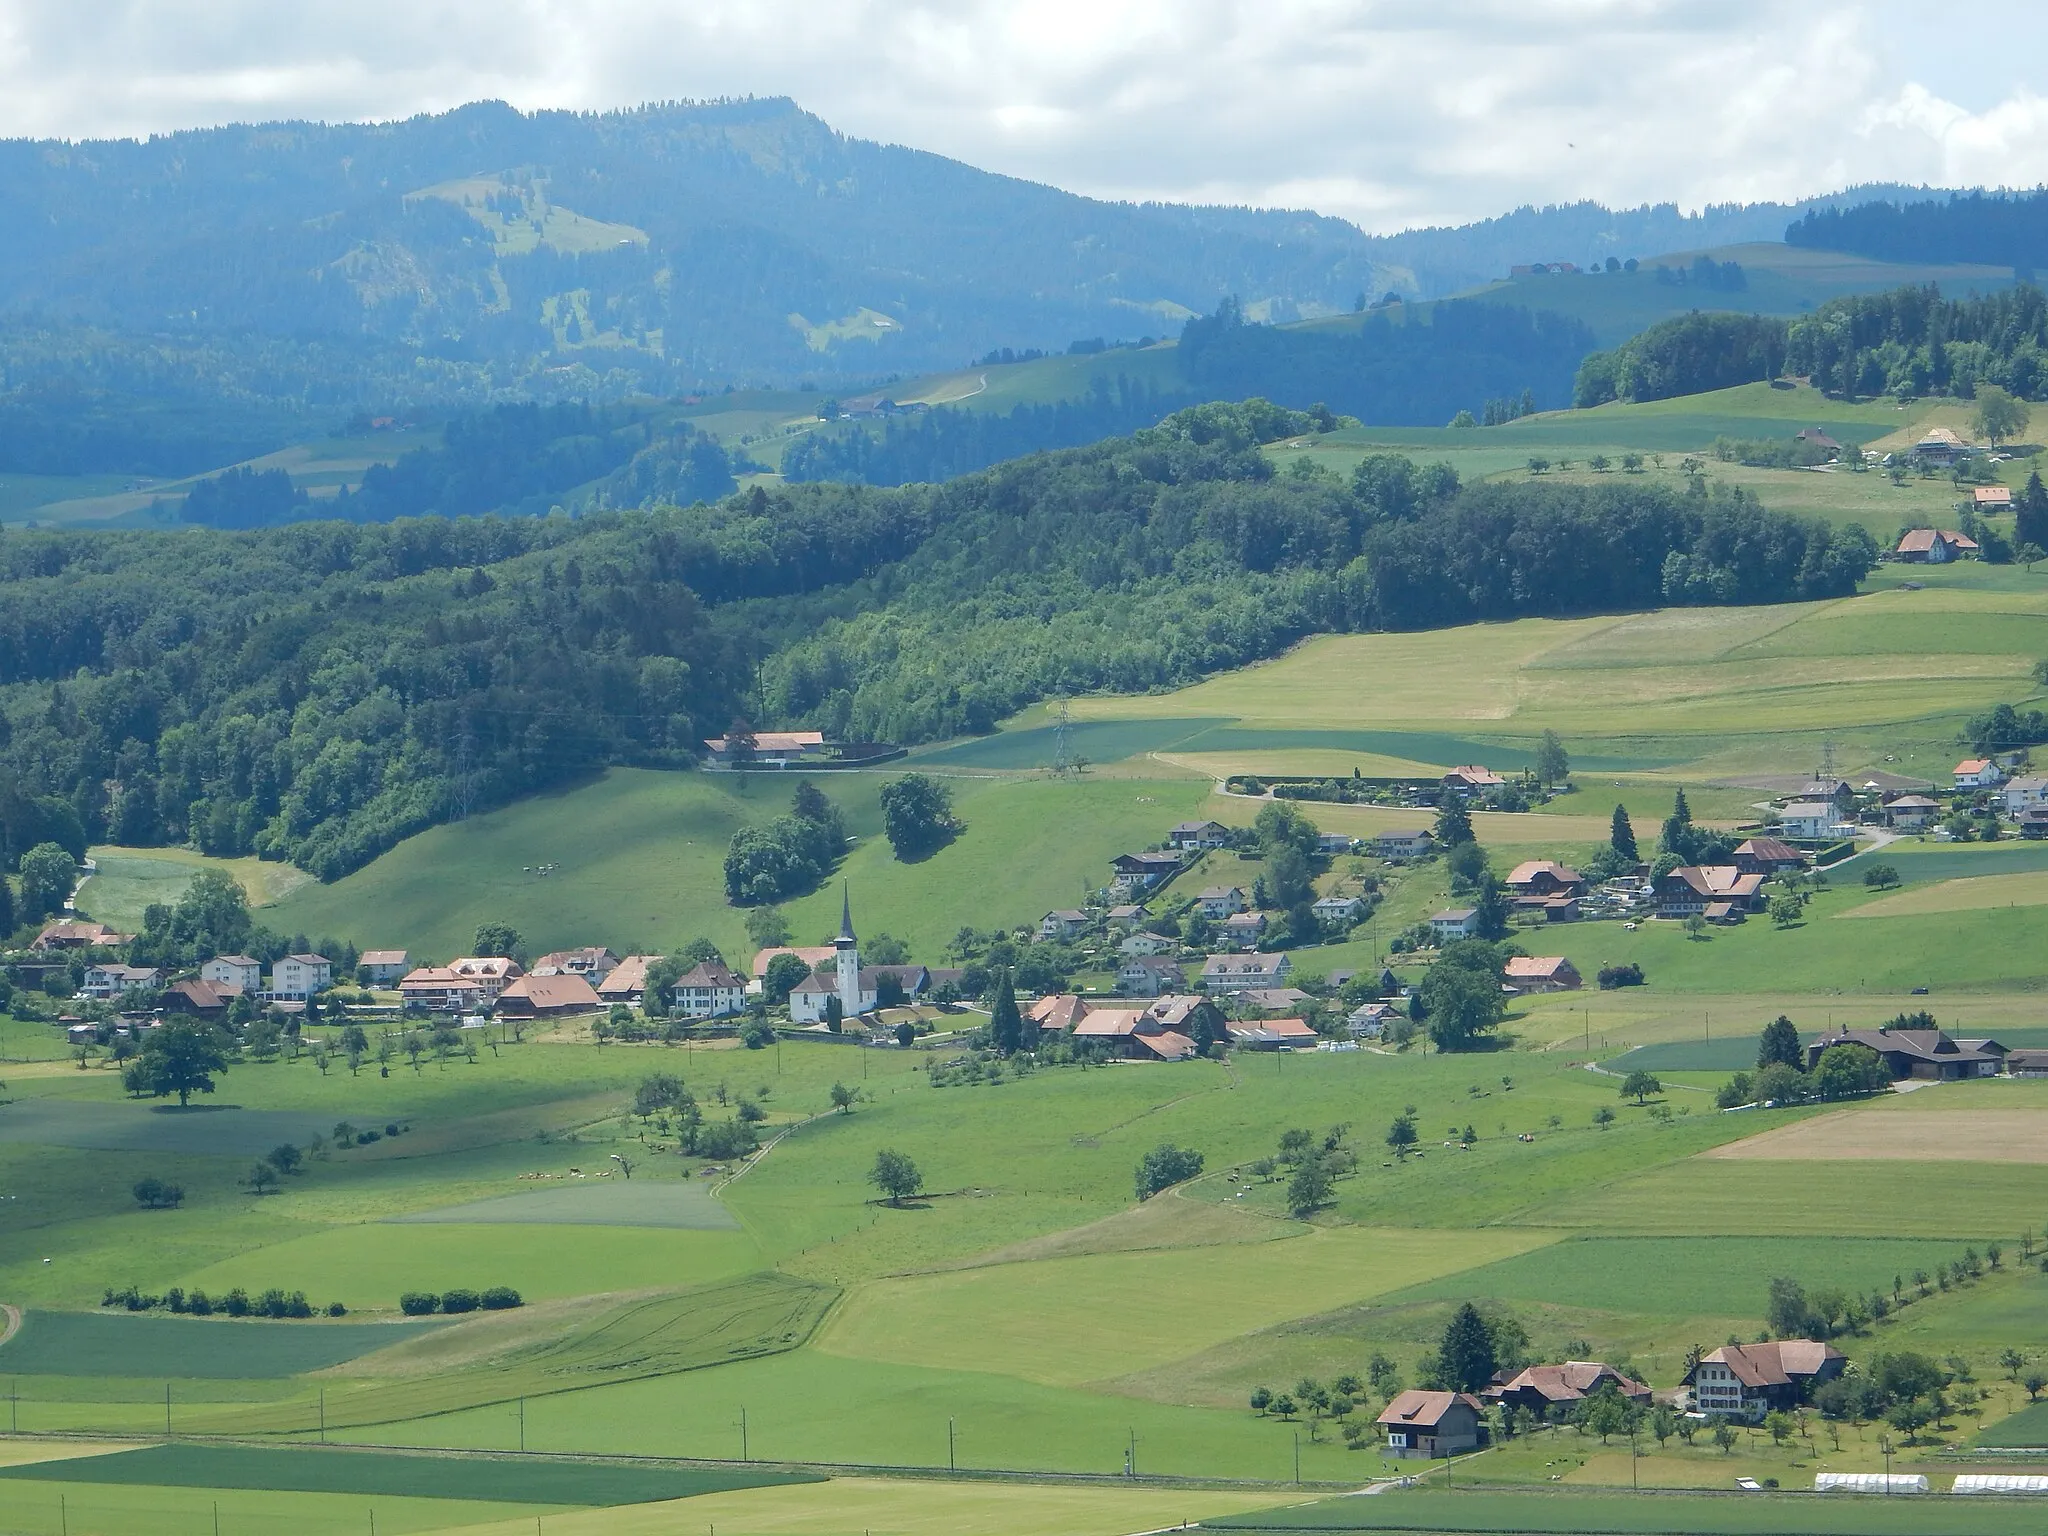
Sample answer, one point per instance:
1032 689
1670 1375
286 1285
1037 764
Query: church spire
845 916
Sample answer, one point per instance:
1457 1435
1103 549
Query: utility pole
167 1407
522 1426
743 1434
323 1415
949 1443
1297 1458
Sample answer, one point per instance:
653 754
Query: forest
2005 229
316 691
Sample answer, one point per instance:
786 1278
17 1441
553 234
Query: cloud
1388 113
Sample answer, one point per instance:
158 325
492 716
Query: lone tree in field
1466 1356
895 1175
1780 1043
1639 1085
1553 763
1401 1134
1164 1166
1309 1190
182 1058
844 1098
1998 418
917 813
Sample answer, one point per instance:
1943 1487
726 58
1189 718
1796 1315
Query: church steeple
847 962
845 919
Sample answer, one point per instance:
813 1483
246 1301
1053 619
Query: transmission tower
1827 761
1062 755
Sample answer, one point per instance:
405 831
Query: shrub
459 1300
155 1194
500 1298
236 1303
1166 1165
336 1309
199 1304
1612 976
419 1303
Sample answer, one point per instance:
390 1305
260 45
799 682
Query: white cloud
1389 113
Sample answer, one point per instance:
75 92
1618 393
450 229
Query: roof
1127 909
1167 1045
309 959
1110 1024
1273 997
2029 784
550 992
1932 1045
1220 892
1992 495
1810 810
1148 860
775 741
1475 774
485 966
245 961
708 973
1537 967
1060 1010
1195 826
627 977
1774 1364
1723 880
120 972
1160 963
1271 1031
1973 765
1526 872
79 933
1946 436
1068 915
566 959
202 994
1175 1008
1573 1380
814 955
1455 915
1403 834
1816 436
1217 965
1920 541
375 957
1416 1409
1914 803
1769 850
438 978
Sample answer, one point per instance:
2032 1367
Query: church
857 987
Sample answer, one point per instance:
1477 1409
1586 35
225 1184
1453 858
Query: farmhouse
1814 437
1928 1053
1454 923
1273 999
627 982
1472 779
441 989
1767 856
1431 1424
79 935
1933 546
768 749
546 997
1978 773
1190 835
1404 843
2025 792
1941 446
2033 822
1691 888
1149 976
1542 1387
1059 1012
108 980
1135 1034
1220 901
1067 923
1912 812
1239 973
202 999
1747 1381
1188 1013
1272 1034
297 977
708 990
241 972
491 973
381 967
1544 877
1992 498
593 965
1542 973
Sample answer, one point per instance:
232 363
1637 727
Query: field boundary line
10 1321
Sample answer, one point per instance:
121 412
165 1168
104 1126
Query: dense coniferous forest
317 691
1394 369
2000 229
1684 356
1912 341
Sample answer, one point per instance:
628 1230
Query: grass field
687 1207
128 1344
129 879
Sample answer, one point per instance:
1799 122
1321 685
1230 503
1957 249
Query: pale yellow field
1493 828
1858 1135
1052 1321
1975 894
855 1506
25 1452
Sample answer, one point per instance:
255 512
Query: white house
1809 819
1368 1021
2024 793
1221 901
1746 1381
1338 909
1150 976
107 981
381 967
491 973
1404 843
708 990
300 976
1335 842
1148 944
1912 812
1454 923
237 971
1198 834
1244 928
593 964
1978 773
1238 973
1068 923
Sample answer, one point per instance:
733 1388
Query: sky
1389 114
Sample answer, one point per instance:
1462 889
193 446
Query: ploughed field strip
501 1479
204 1130
594 1203
123 1344
1854 1136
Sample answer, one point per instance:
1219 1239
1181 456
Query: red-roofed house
547 997
1542 973
1432 1424
627 982
1978 773
1272 1034
1747 1381
1934 546
1541 1387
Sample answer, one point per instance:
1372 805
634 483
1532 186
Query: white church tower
848 959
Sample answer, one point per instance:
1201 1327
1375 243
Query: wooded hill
316 692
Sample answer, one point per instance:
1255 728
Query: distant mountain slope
2004 229
684 243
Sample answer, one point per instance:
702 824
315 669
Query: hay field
1854 1136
